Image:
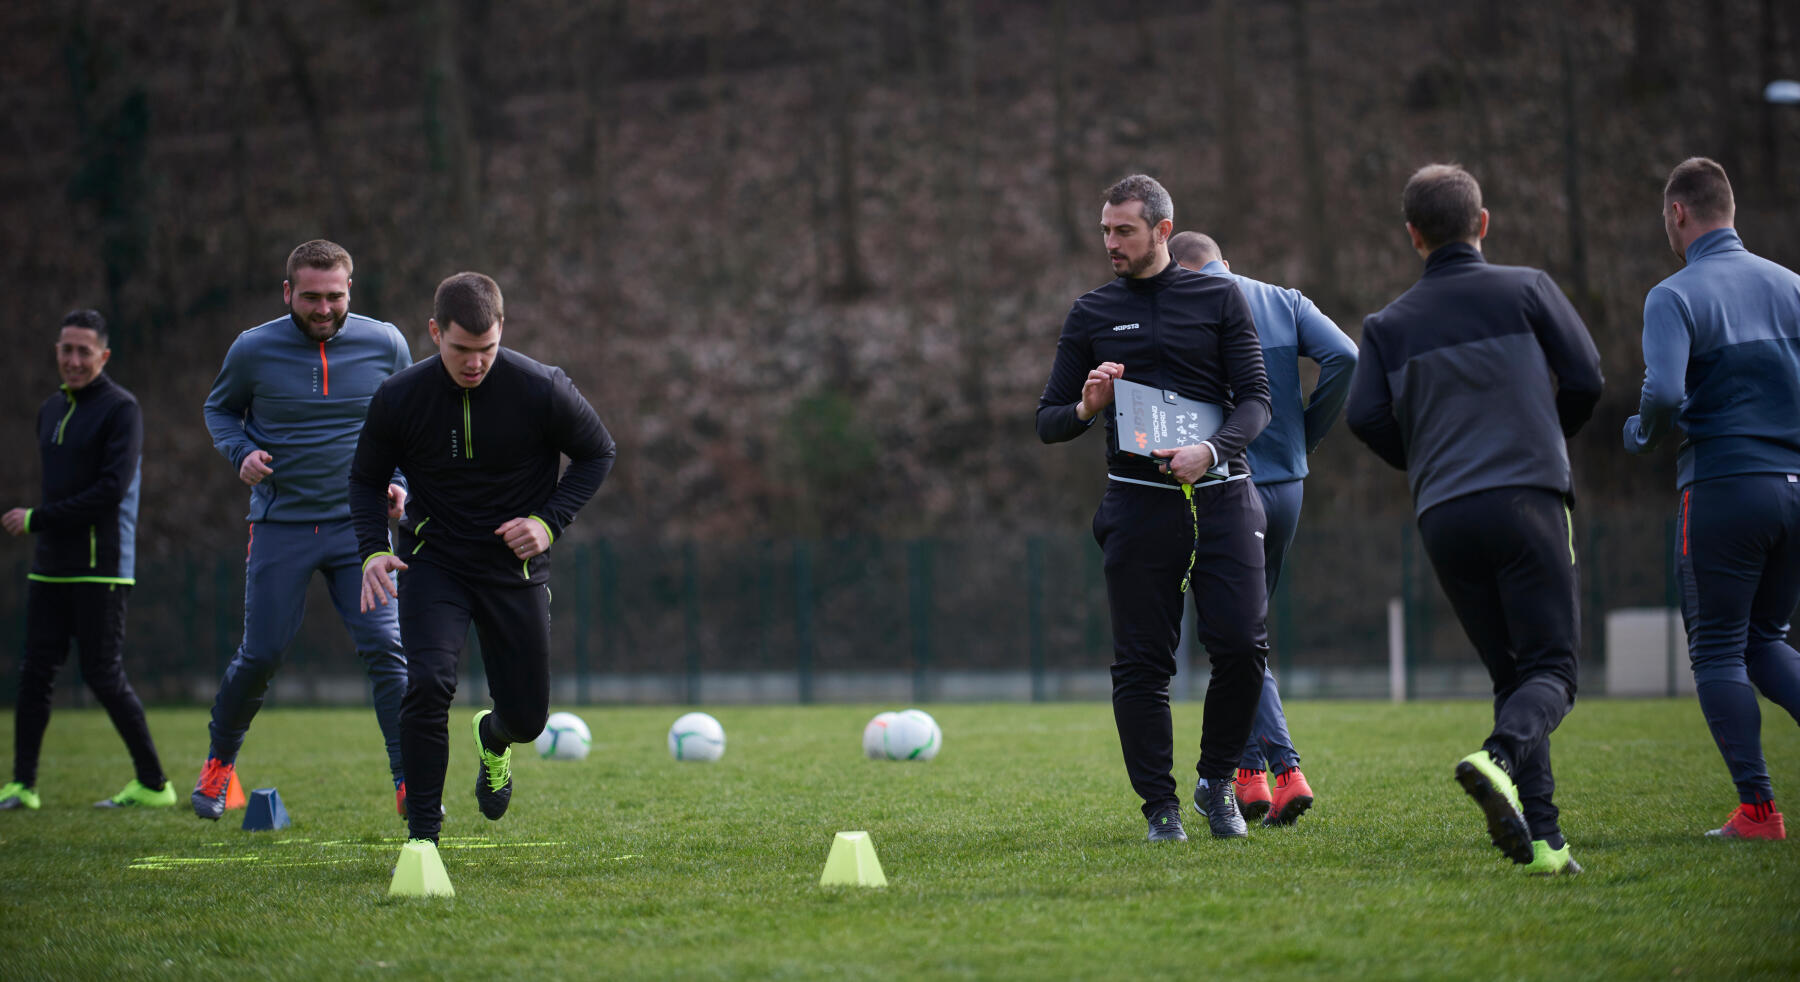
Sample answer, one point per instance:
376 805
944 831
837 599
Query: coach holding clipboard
1163 520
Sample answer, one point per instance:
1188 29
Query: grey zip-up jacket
302 401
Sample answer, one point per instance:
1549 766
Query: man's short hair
1158 206
1194 249
1700 184
469 300
318 254
87 318
1443 202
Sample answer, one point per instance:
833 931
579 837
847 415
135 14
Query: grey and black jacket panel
1474 378
1179 331
90 441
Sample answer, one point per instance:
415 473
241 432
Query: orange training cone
234 793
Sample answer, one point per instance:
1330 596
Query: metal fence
870 618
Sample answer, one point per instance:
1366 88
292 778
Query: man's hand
14 521
378 585
1097 391
396 501
526 537
1186 464
255 467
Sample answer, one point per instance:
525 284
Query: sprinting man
480 431
285 410
1290 327
1161 325
1722 361
90 439
1471 381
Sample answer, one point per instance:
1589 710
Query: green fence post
690 619
1595 621
918 581
1671 598
1034 613
584 619
1409 607
803 636
609 606
224 638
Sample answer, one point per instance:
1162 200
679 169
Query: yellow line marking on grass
456 842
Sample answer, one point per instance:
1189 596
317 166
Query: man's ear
431 326
1164 229
1418 240
1482 232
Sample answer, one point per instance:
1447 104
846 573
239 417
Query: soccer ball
697 736
565 737
908 735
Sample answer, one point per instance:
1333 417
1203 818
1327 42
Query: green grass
1018 853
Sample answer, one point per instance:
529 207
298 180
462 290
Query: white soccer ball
908 735
697 736
565 737
875 736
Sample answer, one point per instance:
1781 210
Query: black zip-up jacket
90 441
475 458
1473 379
1179 331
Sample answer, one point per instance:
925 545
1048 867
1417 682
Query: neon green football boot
136 795
1492 789
16 795
1546 861
493 776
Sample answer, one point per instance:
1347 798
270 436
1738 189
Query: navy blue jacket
1180 331
475 458
1472 379
90 441
1722 361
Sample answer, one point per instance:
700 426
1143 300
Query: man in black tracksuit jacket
479 431
90 439
1470 382
1169 327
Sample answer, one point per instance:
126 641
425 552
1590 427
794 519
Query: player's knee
523 727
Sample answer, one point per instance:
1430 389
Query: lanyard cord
1187 491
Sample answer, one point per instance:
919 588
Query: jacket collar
1450 256
98 386
1714 242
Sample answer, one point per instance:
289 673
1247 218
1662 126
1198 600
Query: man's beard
319 332
1135 268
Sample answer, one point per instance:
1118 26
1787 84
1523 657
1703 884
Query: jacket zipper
468 430
417 530
93 548
324 368
60 427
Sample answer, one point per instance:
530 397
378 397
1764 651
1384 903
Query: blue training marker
265 811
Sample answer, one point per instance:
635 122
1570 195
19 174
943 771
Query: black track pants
1506 561
513 623
1147 535
93 616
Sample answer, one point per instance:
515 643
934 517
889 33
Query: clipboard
1151 419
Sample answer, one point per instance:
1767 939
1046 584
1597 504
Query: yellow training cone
420 873
852 862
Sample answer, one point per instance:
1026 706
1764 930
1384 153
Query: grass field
1018 853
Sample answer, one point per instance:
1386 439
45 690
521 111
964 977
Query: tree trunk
1321 243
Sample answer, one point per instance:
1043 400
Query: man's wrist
374 556
27 525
